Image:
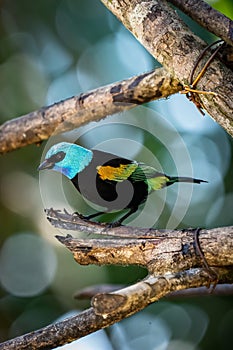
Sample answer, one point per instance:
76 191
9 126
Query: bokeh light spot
27 265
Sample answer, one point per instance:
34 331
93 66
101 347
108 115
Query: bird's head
66 158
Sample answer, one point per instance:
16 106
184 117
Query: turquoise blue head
67 158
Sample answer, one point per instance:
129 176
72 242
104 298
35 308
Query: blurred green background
53 50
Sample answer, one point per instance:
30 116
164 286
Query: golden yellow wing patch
118 174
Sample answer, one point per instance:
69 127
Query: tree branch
91 106
209 18
145 247
220 290
160 30
169 256
176 48
110 308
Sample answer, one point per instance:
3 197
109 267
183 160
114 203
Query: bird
107 180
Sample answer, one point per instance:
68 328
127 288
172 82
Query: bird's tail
173 179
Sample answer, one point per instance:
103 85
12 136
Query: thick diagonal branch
90 106
158 27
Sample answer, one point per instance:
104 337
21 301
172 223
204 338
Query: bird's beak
46 164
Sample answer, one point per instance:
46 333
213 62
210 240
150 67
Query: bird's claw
80 216
114 224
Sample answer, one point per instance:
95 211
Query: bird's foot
87 217
91 216
80 216
114 224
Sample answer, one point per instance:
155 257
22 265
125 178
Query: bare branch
108 309
91 106
220 289
126 245
177 249
209 18
176 48
160 30
111 307
169 256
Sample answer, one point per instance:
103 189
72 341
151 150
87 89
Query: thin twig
193 82
191 92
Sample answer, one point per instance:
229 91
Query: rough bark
160 30
107 309
90 106
160 251
208 17
170 257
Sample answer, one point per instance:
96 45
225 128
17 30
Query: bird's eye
57 157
